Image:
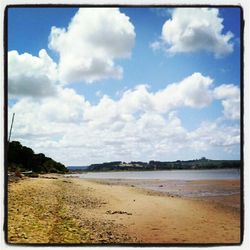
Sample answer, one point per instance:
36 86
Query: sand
68 210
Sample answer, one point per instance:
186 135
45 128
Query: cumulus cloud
148 136
94 38
214 134
195 29
87 50
30 75
229 94
227 91
193 91
67 107
70 129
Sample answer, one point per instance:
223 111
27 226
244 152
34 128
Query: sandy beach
73 210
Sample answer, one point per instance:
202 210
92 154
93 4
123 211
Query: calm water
219 174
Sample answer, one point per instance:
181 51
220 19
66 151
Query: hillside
23 158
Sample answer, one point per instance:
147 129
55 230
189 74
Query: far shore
55 209
83 171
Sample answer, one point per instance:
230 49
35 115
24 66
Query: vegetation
202 163
21 158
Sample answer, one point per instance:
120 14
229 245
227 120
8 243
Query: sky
91 85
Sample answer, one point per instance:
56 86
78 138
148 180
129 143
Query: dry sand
67 210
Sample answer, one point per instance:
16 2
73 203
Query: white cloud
195 29
230 96
226 91
156 45
215 134
140 125
87 52
38 115
193 91
30 75
136 100
95 37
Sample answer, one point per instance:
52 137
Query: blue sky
125 84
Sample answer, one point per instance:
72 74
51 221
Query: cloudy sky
91 85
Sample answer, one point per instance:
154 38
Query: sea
186 175
174 182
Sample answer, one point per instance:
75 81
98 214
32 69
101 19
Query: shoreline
226 192
74 210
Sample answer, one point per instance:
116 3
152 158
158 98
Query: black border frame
242 212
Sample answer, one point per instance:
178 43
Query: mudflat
72 210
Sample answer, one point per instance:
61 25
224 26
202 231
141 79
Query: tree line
202 163
22 158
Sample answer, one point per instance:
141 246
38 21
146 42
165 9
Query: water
185 175
185 183
77 168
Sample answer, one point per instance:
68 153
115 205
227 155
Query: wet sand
226 192
71 210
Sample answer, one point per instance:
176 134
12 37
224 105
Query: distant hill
23 158
202 163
